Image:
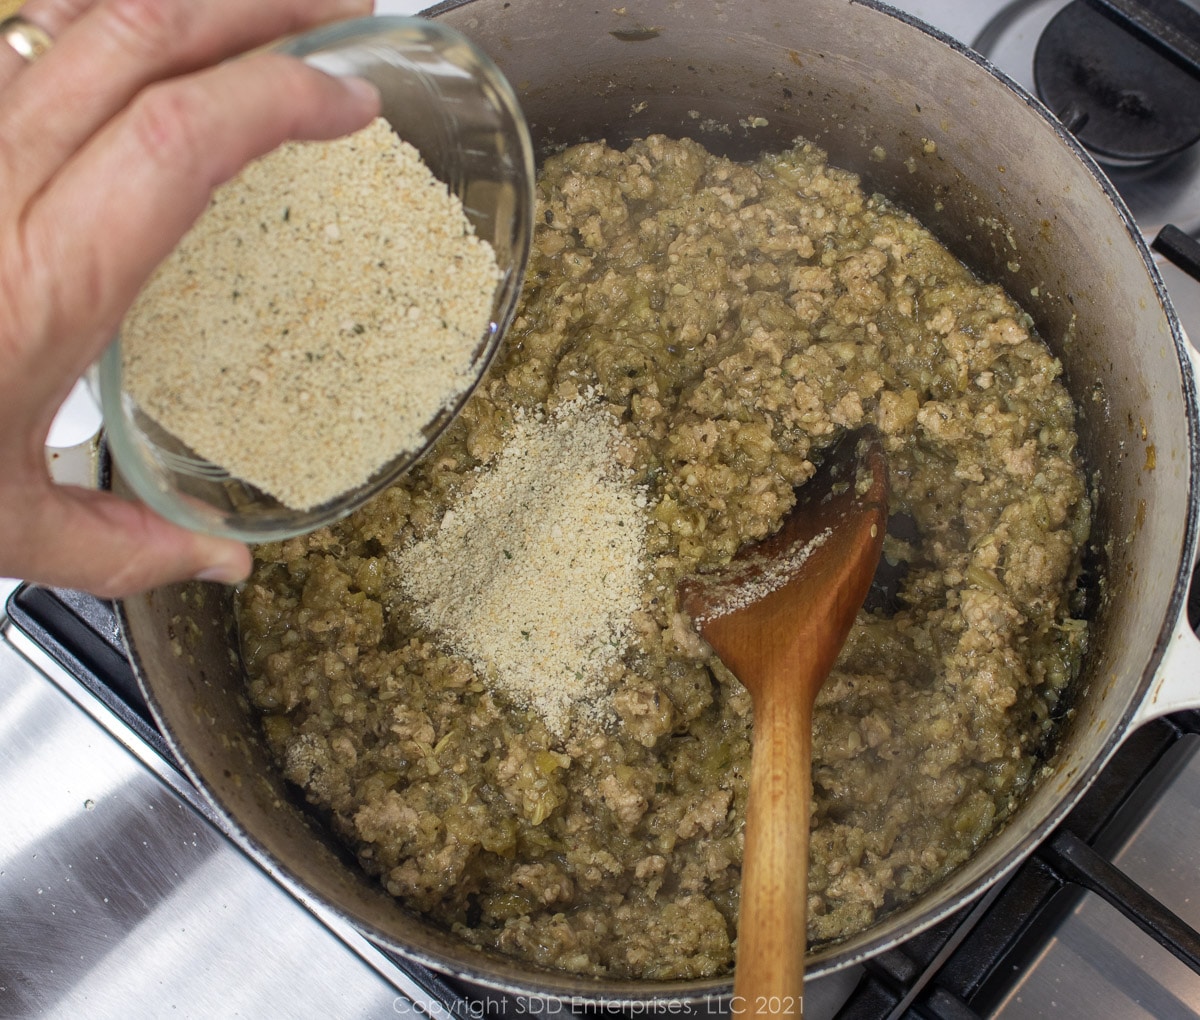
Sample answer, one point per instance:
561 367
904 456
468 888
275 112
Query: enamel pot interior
975 160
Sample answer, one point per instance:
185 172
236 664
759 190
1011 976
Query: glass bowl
446 98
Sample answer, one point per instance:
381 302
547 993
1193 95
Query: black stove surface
1122 96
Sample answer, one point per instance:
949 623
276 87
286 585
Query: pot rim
835 957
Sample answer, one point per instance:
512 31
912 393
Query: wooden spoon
778 616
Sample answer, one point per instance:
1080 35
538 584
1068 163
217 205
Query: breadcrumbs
534 576
746 582
325 308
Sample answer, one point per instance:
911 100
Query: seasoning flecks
325 308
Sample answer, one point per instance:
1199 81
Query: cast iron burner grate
1128 97
957 970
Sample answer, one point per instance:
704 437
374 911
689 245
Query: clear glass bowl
445 97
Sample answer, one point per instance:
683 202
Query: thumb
112 547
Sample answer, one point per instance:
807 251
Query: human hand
110 146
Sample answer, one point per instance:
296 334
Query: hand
110 146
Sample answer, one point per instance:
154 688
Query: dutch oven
1007 189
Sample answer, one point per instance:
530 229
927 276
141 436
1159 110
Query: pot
1007 189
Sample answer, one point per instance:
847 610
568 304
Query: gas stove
122 894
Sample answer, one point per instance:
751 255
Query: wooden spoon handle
769 979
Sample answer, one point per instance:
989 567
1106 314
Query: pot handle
1176 685
73 447
79 464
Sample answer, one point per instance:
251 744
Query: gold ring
27 39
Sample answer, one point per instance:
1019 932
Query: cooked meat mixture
733 320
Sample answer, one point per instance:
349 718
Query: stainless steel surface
1099 964
120 898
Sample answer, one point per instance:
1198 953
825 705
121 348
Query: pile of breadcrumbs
534 575
323 311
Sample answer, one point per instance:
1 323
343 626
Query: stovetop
122 895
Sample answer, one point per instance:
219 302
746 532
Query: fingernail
361 89
223 573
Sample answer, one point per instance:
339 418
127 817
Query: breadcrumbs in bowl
324 319
326 283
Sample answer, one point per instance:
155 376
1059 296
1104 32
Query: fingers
108 54
52 16
141 183
110 146
98 542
